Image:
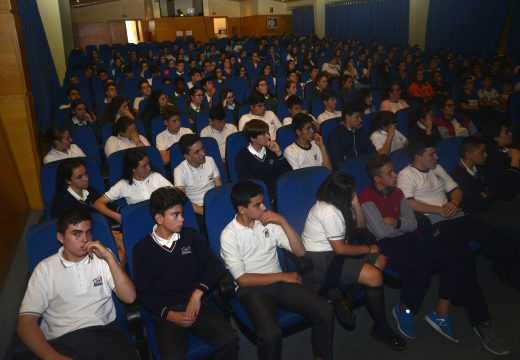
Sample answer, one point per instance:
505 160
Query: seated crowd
418 220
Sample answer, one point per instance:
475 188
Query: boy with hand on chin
71 292
174 268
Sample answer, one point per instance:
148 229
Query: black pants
260 303
95 342
454 236
210 326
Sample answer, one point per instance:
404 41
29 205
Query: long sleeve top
167 277
345 144
377 205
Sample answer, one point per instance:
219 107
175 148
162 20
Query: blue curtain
303 21
466 25
384 20
513 42
42 72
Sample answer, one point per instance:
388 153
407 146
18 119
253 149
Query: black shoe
393 341
343 308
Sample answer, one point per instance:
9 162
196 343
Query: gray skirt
352 265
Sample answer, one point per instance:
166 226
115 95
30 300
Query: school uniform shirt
55 155
68 198
269 118
324 223
165 139
139 190
219 136
326 115
378 138
69 296
299 157
116 143
288 120
252 250
196 181
429 187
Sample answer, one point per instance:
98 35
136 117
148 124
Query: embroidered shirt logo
186 250
98 281
211 177
271 161
315 156
266 233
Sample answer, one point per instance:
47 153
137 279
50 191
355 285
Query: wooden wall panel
118 32
256 25
19 160
201 27
91 34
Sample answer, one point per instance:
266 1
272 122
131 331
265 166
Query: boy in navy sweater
174 267
262 159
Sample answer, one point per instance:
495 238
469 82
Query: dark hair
195 71
391 85
242 193
443 100
349 109
375 163
168 111
55 134
64 172
363 94
205 80
293 100
492 131
421 112
122 125
131 162
288 85
417 147
72 216
112 108
72 88
382 119
327 94
186 142
217 112
191 92
254 128
256 98
144 81
164 198
470 144
74 104
109 84
177 80
300 120
337 190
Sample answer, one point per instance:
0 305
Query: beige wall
222 8
117 10
51 19
417 22
279 8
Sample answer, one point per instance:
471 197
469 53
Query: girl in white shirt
338 260
137 184
385 137
126 137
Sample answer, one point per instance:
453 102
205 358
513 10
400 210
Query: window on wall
181 8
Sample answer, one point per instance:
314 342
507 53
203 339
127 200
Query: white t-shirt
299 157
326 115
269 118
324 223
287 121
70 296
55 155
137 100
165 139
429 187
219 136
378 138
140 190
116 143
196 181
331 68
247 250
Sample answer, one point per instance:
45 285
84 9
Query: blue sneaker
443 325
405 322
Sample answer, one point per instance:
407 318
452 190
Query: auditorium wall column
319 17
418 21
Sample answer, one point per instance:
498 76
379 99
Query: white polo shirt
269 118
378 138
166 139
55 155
429 187
219 136
324 223
70 296
247 250
140 190
116 143
299 157
196 181
326 115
